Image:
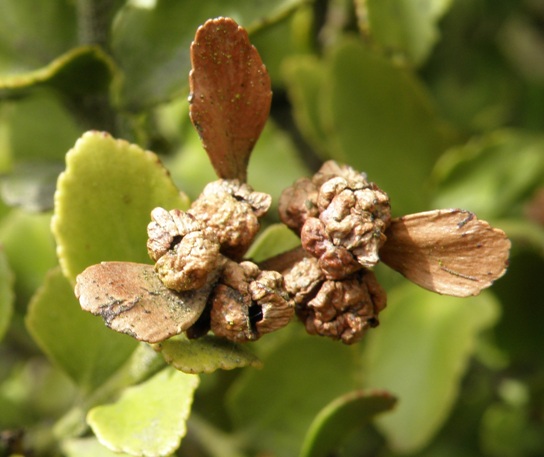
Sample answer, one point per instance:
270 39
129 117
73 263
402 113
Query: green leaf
274 240
381 121
103 202
35 128
274 407
165 32
33 33
76 341
205 354
82 70
408 28
492 175
148 419
30 249
7 295
88 447
342 416
419 354
305 80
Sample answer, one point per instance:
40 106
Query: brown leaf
447 251
131 299
230 95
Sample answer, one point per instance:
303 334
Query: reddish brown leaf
131 299
230 95
447 251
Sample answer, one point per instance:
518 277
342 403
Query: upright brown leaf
447 251
131 299
230 95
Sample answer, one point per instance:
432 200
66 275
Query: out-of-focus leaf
7 295
31 185
103 202
148 419
342 416
205 354
34 33
491 176
30 249
275 406
382 122
82 70
36 128
305 80
274 240
419 354
405 28
165 32
76 341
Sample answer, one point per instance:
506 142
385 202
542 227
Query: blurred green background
440 102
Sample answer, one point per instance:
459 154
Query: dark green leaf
7 295
342 416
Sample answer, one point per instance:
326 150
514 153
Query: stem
94 21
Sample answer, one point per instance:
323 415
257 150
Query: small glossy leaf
230 95
205 354
148 419
342 416
447 251
104 200
403 27
7 295
132 299
419 354
79 343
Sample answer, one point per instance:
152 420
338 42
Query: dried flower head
232 210
248 303
345 309
186 252
341 218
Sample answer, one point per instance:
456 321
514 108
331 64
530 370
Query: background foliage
441 102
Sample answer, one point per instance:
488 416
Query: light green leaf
76 341
419 354
340 417
274 240
88 447
205 354
492 175
274 407
165 32
103 202
148 419
381 120
405 28
7 295
30 249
